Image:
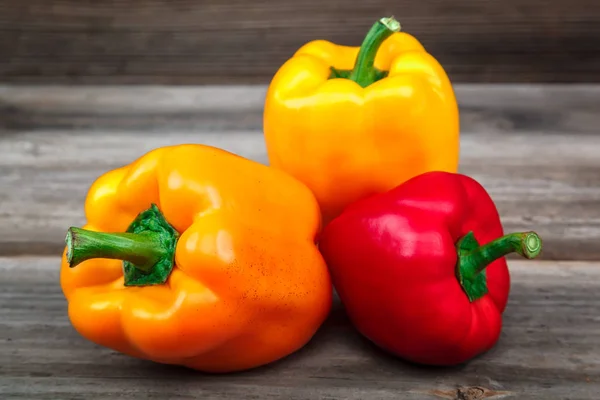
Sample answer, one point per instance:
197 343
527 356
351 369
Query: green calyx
147 248
473 258
364 72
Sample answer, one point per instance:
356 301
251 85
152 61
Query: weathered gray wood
549 349
549 183
535 148
149 41
484 108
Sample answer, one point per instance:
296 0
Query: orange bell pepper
350 122
221 272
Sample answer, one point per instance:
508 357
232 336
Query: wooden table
535 148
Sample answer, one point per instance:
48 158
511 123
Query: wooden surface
212 41
535 148
549 349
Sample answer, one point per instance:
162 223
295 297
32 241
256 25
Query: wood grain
534 148
550 185
549 348
184 41
492 108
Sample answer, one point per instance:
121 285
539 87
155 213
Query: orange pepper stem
141 249
364 72
473 258
147 248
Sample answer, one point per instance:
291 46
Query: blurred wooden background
244 41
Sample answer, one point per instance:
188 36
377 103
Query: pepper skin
349 128
408 266
229 279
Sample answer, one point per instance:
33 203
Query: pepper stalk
474 258
147 248
364 72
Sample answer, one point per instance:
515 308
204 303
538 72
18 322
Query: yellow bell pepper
195 256
350 122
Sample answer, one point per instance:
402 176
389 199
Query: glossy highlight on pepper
421 268
195 256
350 122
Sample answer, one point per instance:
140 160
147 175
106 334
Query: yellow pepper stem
147 248
364 72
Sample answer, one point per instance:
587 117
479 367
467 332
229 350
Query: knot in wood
470 393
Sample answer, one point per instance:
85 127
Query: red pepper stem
473 258
527 244
143 250
364 72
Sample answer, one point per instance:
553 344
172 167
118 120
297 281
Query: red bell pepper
420 269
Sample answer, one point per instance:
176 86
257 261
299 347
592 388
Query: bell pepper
421 270
350 122
198 257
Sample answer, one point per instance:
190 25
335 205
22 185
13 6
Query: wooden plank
549 183
534 148
483 107
183 41
549 348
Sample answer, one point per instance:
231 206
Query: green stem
473 258
147 248
141 249
364 72
527 244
